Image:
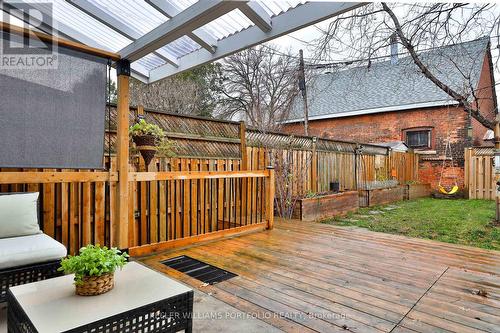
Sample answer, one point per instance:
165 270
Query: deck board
304 277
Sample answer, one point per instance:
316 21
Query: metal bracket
123 67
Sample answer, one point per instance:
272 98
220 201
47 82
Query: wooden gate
479 173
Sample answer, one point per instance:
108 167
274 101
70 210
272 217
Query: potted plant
146 137
94 269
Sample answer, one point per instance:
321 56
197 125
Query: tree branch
462 100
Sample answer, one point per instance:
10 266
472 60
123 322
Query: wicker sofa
26 254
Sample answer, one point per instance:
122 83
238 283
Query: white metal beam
195 16
290 21
199 36
115 24
257 15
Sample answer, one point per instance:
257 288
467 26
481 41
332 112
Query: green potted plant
94 269
146 137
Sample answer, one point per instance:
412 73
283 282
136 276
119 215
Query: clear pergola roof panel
142 18
228 24
145 32
66 16
274 8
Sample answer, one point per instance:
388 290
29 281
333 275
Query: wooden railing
178 208
74 206
166 209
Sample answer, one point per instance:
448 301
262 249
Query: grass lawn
466 222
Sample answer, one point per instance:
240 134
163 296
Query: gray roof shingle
386 85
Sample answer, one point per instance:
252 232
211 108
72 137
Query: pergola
165 37
154 39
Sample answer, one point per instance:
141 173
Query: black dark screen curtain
52 116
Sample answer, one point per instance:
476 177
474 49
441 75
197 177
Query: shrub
144 128
93 260
166 148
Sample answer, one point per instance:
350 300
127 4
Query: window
420 138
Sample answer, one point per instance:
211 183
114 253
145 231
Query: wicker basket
95 285
147 147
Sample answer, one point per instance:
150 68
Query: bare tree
365 33
290 180
193 92
260 85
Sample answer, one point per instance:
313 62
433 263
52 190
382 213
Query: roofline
405 55
375 110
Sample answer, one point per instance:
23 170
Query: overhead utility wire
334 63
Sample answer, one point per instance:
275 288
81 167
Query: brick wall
389 126
429 172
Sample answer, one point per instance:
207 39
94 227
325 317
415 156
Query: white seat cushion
25 250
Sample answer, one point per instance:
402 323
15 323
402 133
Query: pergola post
122 151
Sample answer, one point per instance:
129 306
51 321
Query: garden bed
380 196
415 191
326 206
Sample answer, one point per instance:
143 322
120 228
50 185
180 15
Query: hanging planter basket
146 144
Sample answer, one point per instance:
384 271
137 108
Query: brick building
392 101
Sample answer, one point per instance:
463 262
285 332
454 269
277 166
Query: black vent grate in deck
198 269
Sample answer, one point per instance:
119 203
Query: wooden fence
479 173
313 170
180 198
316 162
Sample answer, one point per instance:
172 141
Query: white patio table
141 301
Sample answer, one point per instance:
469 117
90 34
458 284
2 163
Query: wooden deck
312 277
